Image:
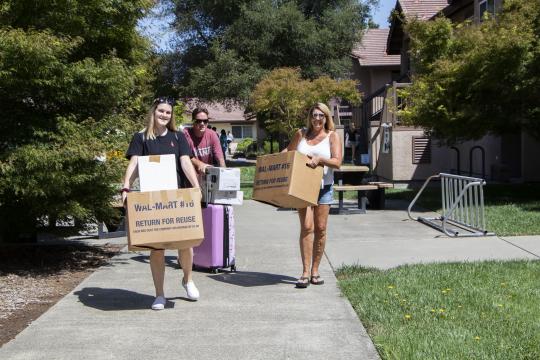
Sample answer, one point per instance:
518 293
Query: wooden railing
393 103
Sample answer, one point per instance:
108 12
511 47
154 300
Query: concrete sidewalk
255 313
385 239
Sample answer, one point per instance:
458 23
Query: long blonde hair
149 130
328 125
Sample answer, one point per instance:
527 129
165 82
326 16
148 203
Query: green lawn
482 310
247 173
510 209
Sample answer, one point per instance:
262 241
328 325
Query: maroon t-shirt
206 148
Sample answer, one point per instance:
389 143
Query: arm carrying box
285 180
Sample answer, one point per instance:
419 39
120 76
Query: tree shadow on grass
116 299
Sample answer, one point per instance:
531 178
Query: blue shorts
326 195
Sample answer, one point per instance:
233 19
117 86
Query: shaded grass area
510 209
480 310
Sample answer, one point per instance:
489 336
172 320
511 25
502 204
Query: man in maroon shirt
204 142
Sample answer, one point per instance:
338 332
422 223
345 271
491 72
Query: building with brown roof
229 117
373 68
403 153
372 65
456 10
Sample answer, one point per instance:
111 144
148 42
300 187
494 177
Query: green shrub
266 146
246 145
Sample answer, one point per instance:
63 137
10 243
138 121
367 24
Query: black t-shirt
170 143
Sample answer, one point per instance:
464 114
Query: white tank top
321 150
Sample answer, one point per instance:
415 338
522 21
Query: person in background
230 139
223 141
352 135
322 145
203 142
160 137
347 140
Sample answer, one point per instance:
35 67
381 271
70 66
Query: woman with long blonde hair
160 138
322 145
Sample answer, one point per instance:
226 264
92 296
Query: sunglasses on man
199 122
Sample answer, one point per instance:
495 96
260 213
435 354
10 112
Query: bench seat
376 198
355 187
382 185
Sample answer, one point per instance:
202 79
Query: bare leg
306 238
157 265
185 257
321 220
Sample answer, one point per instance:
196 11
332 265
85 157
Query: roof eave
390 50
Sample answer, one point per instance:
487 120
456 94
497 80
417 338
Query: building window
486 6
421 150
242 131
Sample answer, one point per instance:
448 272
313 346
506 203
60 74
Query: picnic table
351 178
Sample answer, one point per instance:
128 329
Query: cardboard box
157 172
284 180
166 219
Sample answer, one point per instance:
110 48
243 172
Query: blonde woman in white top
323 147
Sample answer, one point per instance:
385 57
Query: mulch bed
33 277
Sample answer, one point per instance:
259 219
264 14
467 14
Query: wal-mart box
165 219
285 180
157 172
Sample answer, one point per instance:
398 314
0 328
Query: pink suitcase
217 251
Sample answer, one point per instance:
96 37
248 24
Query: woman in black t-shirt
160 138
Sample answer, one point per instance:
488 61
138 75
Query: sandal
318 280
303 282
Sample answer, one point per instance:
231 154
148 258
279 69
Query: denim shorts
326 195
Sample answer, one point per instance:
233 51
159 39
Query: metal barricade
462 206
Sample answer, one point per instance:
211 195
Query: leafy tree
283 98
471 80
225 47
73 78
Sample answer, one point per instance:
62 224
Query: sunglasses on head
198 122
164 100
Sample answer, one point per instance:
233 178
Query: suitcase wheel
233 268
214 271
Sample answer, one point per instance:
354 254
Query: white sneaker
191 290
159 303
